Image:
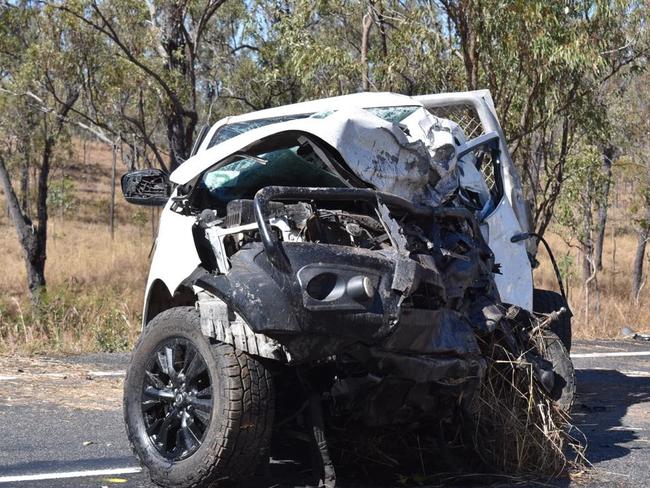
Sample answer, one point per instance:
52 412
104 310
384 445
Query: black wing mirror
149 187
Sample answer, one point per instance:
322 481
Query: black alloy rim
177 399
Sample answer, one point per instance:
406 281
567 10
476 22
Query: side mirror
146 187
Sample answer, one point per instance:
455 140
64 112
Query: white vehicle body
176 257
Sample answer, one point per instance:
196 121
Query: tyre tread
247 409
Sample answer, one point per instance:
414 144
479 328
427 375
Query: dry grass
613 309
95 285
95 289
78 254
519 430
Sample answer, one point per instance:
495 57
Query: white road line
106 373
8 378
69 474
637 374
611 354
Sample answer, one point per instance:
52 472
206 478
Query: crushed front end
350 270
393 296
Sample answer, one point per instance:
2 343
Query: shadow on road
607 411
605 399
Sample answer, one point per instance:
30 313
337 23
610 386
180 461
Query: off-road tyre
564 389
236 440
547 301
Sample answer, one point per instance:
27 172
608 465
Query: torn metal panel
441 137
221 323
514 280
442 331
380 153
405 274
427 369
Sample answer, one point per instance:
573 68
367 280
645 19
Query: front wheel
195 412
552 349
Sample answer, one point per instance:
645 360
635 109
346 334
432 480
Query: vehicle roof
207 158
356 100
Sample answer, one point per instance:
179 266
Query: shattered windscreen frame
391 114
242 175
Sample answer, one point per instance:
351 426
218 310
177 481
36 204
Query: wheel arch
159 299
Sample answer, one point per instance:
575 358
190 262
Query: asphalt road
61 421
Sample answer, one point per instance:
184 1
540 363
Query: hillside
96 284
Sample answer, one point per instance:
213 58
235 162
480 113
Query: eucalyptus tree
631 108
36 97
285 52
544 63
158 45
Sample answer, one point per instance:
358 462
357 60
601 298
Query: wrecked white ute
349 248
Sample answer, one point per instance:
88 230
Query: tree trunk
586 241
637 267
180 120
639 255
366 24
111 216
461 16
32 240
180 144
642 238
24 186
608 156
546 209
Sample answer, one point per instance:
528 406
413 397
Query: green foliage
629 109
583 190
566 264
61 195
112 334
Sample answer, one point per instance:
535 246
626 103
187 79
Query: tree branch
109 31
63 118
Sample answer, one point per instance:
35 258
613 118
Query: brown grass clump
95 289
518 429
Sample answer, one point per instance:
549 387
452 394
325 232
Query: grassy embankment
95 284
